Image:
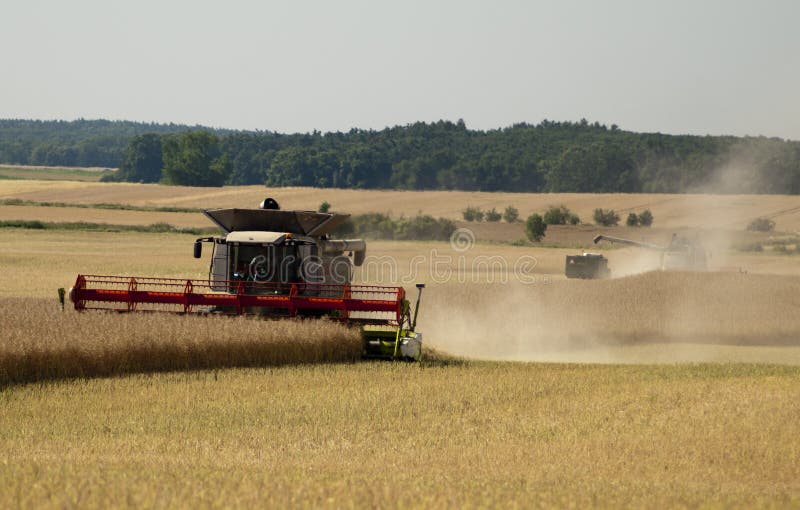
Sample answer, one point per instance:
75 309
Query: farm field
37 262
110 216
478 305
52 173
654 389
408 436
566 236
670 211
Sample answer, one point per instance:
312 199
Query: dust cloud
750 166
656 317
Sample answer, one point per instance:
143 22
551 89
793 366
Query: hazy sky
701 67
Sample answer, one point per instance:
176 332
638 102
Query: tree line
545 157
99 143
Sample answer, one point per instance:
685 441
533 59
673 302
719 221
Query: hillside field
652 389
670 211
52 173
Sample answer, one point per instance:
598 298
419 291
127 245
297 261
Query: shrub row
382 226
510 215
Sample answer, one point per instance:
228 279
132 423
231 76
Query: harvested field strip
156 228
15 172
115 207
57 214
39 341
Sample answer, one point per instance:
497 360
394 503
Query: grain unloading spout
629 242
679 254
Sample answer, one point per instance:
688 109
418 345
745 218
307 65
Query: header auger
272 264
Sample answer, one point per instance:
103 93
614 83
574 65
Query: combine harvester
680 253
272 264
587 266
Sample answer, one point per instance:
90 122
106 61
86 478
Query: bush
535 227
560 215
381 226
748 247
421 228
111 177
492 215
472 214
633 220
761 225
511 214
606 218
645 218
324 207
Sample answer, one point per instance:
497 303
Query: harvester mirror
198 249
359 256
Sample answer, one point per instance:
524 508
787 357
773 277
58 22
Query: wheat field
382 435
482 310
110 216
670 211
41 342
57 173
647 390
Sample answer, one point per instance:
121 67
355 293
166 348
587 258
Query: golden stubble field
670 211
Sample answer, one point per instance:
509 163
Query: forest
545 157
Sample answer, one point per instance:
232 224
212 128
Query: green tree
646 218
560 215
194 159
632 220
142 161
607 218
472 214
535 227
290 167
492 215
511 214
593 168
324 207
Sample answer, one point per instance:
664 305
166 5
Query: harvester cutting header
272 263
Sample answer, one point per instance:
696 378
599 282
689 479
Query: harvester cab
274 246
273 263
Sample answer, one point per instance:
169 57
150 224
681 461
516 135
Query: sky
682 67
